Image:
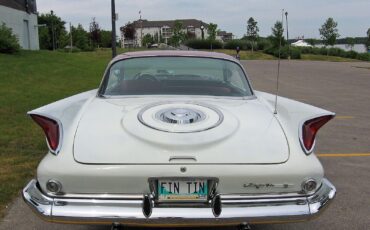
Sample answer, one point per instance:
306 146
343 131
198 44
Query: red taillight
310 128
51 130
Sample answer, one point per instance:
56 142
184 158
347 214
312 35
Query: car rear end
177 161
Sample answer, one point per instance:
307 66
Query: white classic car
178 138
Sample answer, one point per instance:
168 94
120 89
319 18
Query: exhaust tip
216 205
147 206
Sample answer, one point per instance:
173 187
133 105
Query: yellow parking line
344 117
343 155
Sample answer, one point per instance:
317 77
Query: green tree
350 42
161 39
105 38
54 34
212 31
8 41
277 34
129 31
329 32
80 38
252 32
156 37
368 39
178 36
95 35
311 41
147 40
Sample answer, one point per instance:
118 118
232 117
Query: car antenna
278 70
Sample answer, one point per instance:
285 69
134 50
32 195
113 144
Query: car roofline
174 53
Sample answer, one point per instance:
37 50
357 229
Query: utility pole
202 29
141 30
70 31
287 34
114 48
52 29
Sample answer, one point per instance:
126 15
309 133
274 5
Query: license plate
182 190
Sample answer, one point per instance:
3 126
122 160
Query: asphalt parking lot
343 88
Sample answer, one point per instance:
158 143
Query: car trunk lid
130 131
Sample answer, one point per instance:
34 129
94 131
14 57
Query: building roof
174 53
170 23
224 33
28 6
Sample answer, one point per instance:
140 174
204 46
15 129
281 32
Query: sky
304 17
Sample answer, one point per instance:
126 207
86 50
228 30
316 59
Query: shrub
263 44
306 50
232 44
316 50
203 44
74 49
335 52
350 54
8 41
269 50
295 53
323 51
283 52
363 56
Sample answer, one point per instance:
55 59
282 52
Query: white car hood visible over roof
127 131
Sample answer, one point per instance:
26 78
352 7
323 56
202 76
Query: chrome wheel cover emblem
180 116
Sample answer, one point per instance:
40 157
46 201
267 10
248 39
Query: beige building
162 31
21 17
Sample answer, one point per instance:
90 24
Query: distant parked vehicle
155 45
178 138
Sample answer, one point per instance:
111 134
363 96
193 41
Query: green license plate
182 190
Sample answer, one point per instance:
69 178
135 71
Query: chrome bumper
234 209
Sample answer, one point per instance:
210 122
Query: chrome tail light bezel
60 129
306 150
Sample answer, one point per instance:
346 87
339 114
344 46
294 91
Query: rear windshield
176 76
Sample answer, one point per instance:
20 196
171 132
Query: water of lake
360 48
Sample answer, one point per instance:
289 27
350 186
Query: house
21 17
162 31
224 36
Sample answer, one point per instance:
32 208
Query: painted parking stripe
343 155
344 117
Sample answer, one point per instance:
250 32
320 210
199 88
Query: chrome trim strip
129 212
102 85
212 187
112 97
107 196
184 158
55 152
110 196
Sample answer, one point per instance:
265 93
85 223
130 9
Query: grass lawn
31 79
247 55
259 55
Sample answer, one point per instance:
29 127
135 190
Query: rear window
176 76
